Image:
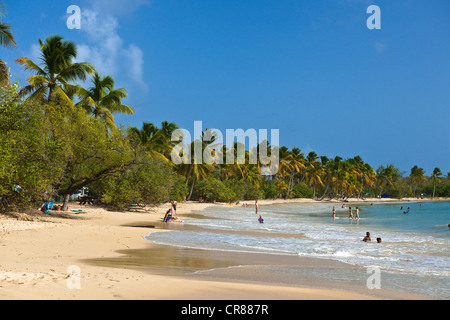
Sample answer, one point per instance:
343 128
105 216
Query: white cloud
106 49
135 64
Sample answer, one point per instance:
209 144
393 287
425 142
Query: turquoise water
413 255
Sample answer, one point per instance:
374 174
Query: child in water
260 219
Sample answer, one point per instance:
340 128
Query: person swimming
367 237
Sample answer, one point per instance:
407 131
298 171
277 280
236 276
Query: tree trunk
434 188
65 206
189 174
291 182
325 192
192 188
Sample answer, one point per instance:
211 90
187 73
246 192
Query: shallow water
413 256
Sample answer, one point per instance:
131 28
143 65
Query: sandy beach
42 257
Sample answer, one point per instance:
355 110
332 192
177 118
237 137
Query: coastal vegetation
57 137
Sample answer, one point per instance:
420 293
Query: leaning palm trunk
325 192
291 182
192 189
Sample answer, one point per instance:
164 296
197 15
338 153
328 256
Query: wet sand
243 267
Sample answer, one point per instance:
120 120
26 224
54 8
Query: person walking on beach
334 213
350 213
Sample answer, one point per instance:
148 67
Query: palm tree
296 160
387 176
194 171
314 175
417 175
369 176
102 100
157 141
51 80
435 176
314 171
6 40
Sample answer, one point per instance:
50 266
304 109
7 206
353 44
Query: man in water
367 237
334 213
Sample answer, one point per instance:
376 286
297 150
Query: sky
311 69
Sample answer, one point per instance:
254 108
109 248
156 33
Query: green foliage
25 157
142 185
270 190
213 190
87 151
302 191
179 189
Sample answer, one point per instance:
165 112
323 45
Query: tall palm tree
52 80
296 159
102 100
417 175
387 176
435 176
6 40
194 171
314 174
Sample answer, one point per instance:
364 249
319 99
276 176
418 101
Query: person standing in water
256 207
334 213
350 213
357 213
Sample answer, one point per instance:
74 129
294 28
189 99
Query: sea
413 255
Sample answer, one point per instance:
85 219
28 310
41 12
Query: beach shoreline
39 256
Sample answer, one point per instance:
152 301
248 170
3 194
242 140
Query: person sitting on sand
367 237
168 215
48 205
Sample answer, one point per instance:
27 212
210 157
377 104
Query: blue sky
311 69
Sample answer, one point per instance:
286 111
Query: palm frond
6 35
